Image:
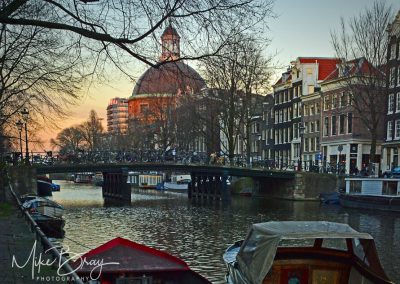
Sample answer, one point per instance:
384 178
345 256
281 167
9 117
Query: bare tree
92 131
362 40
68 141
39 71
237 75
131 26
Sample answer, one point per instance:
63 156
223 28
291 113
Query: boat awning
122 255
258 250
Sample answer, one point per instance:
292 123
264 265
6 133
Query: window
397 132
334 101
392 77
294 92
398 75
391 103
333 125
295 110
342 100
326 126
305 110
144 108
393 51
326 103
310 89
295 130
349 122
309 71
306 143
317 108
312 127
350 99
316 143
398 102
389 130
317 126
341 123
312 109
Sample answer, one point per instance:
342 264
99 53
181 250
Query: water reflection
200 232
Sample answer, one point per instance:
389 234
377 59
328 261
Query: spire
170 40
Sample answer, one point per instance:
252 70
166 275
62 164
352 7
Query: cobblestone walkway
18 242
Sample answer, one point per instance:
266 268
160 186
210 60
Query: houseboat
304 252
371 193
124 261
147 181
83 177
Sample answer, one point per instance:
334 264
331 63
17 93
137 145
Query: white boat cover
258 250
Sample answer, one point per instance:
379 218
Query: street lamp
25 117
19 126
301 130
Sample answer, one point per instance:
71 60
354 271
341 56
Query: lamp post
25 116
301 130
19 126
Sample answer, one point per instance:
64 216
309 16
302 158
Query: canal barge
304 252
371 193
124 261
144 181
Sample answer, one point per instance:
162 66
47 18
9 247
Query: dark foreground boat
125 261
304 252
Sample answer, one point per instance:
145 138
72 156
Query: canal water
199 232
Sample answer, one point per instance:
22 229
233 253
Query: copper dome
168 79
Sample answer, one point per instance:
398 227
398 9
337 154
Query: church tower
170 44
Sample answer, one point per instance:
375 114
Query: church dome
169 78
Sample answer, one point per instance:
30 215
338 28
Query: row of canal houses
313 118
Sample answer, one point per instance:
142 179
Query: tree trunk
372 152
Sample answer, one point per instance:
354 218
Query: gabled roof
325 65
358 66
130 256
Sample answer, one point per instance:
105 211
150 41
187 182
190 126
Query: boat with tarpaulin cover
304 252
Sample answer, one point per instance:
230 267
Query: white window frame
397 129
398 102
389 130
393 51
398 75
392 78
390 103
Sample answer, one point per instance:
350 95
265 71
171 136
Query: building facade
117 116
301 80
391 145
346 140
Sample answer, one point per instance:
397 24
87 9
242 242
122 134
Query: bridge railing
175 157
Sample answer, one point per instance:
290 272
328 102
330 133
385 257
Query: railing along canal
47 245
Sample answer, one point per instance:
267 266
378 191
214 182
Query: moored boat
329 197
372 193
44 188
304 252
124 261
51 226
178 183
44 206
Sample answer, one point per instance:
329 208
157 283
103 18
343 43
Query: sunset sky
302 28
